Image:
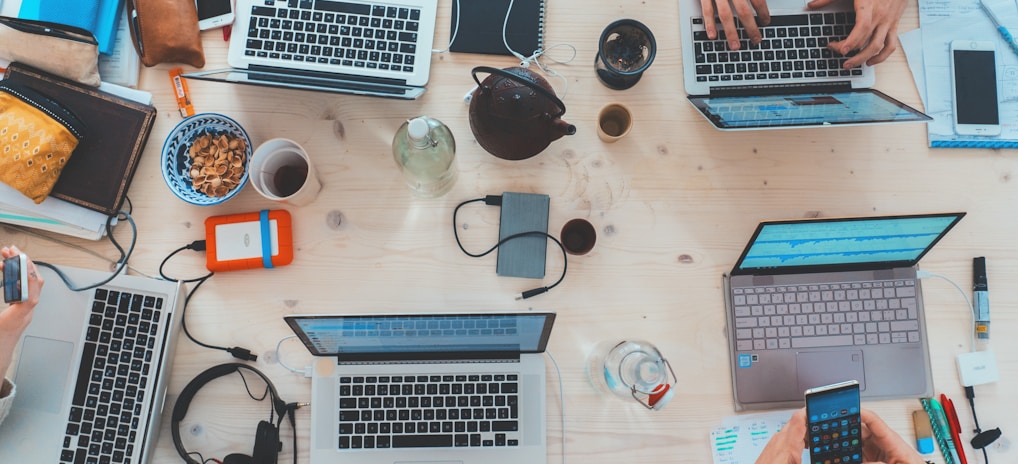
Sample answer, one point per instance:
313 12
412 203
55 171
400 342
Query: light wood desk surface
674 202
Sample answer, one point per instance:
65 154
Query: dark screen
975 87
212 8
12 279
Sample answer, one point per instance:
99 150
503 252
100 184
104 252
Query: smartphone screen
975 87
833 424
12 279
211 8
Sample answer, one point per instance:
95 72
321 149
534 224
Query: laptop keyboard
106 411
351 34
840 314
407 411
793 47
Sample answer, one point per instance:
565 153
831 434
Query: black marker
981 293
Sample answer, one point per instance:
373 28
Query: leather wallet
66 51
166 31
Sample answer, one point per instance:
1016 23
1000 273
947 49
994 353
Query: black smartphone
15 279
833 424
974 75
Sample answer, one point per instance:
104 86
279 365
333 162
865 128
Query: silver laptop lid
384 337
842 244
691 23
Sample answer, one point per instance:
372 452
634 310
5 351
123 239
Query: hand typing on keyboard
744 9
875 34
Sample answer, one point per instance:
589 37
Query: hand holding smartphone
16 279
833 423
214 13
974 89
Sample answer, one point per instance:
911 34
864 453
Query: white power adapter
977 368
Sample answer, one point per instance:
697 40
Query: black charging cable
121 262
496 200
199 245
982 438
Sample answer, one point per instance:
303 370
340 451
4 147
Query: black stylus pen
981 294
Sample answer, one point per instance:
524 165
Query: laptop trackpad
42 374
819 368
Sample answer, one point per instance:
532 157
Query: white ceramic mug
282 171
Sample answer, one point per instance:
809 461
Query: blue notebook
100 17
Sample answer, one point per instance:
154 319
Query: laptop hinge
780 89
325 76
472 356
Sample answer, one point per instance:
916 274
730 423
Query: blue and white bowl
176 161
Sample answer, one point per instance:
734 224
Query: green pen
938 419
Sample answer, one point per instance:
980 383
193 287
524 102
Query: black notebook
480 26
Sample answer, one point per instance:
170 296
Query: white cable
455 29
279 356
972 309
561 403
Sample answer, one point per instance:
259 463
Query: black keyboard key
84 371
505 426
421 441
343 7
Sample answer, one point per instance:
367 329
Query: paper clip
180 91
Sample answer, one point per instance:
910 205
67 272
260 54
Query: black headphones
267 444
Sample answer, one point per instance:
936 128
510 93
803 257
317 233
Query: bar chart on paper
740 439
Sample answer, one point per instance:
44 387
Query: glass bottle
631 370
425 151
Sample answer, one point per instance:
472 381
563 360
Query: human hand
744 9
17 316
881 444
875 34
786 446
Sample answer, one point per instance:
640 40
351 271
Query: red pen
955 426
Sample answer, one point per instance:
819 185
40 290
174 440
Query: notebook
355 46
817 301
788 80
449 387
92 370
478 25
100 170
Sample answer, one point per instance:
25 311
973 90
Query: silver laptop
464 388
380 48
92 370
818 301
788 80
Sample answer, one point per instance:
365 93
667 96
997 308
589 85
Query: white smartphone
214 13
16 279
974 79
833 423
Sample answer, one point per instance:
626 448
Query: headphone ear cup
267 444
237 458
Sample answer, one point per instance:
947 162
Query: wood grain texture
673 203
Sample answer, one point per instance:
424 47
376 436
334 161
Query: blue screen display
424 333
805 109
834 426
844 242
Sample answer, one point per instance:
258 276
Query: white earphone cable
561 403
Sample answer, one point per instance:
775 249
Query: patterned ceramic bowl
220 175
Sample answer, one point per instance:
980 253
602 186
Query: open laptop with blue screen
790 79
451 387
818 301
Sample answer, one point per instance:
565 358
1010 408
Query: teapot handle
521 80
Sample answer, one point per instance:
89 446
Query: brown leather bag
166 31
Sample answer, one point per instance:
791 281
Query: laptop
92 370
818 301
451 387
364 47
788 80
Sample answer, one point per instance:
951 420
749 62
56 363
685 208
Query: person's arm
881 444
786 446
6 399
13 322
744 10
875 34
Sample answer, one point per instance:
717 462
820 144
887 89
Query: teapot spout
562 128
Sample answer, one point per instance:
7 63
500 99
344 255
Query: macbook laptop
464 388
818 301
790 79
92 370
380 48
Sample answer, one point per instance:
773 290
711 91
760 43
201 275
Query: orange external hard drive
248 240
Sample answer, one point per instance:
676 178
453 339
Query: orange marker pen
180 91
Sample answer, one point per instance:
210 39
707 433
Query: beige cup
281 170
613 122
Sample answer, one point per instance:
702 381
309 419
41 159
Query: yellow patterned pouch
37 136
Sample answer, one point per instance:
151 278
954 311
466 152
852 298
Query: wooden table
673 203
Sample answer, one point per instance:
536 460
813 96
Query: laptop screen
804 109
331 335
842 244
